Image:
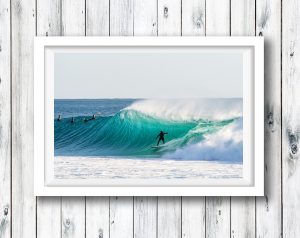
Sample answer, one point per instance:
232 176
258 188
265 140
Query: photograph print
152 116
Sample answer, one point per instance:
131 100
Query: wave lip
190 109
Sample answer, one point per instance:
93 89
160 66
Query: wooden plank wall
274 215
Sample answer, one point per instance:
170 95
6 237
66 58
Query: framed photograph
148 116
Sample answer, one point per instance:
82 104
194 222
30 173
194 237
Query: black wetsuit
161 137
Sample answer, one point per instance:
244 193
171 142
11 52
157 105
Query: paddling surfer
161 137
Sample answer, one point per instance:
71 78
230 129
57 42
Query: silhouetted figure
93 118
59 118
161 137
72 120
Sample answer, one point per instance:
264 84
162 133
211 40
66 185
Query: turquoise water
124 130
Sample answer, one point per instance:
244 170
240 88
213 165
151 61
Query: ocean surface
198 129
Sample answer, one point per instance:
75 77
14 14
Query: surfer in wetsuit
161 137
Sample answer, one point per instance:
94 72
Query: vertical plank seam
281 113
255 199
156 217
109 217
133 215
36 198
60 216
11 109
181 201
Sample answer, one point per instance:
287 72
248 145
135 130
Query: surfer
161 137
59 118
72 120
93 118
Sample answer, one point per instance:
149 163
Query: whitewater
204 140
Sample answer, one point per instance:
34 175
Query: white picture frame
45 184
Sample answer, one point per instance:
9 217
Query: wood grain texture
73 17
121 17
5 120
169 17
73 209
169 208
268 208
97 208
145 208
97 217
23 200
290 117
145 17
242 208
169 217
73 217
48 217
217 217
193 208
97 18
48 23
121 217
145 217
193 17
193 217
218 18
218 208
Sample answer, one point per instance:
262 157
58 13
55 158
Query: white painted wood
121 217
242 217
121 208
145 208
217 217
73 209
193 17
218 208
48 209
97 208
169 217
169 208
73 217
193 217
97 18
73 17
145 217
5 120
48 19
290 118
121 17
169 17
242 208
145 17
193 208
97 217
23 201
242 18
268 208
218 17
48 217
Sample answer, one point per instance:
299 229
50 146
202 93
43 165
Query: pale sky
148 75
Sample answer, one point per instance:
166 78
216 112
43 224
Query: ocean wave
226 145
190 109
210 135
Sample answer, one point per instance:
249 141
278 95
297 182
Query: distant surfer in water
161 137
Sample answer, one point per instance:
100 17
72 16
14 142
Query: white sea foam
125 168
190 109
226 145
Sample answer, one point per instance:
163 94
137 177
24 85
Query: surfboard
156 147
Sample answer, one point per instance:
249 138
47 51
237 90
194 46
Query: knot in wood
260 33
166 12
294 148
5 210
198 22
100 233
270 120
68 222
